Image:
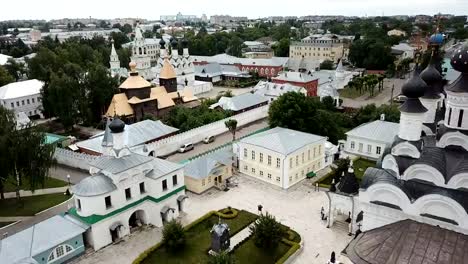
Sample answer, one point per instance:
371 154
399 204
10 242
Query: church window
78 204
378 150
449 116
352 144
128 194
174 180
460 118
108 202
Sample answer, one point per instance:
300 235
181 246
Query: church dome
174 43
117 125
431 75
414 87
436 39
184 43
459 60
162 43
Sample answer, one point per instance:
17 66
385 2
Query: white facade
370 140
282 169
126 190
23 96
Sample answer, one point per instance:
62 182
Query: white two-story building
24 96
280 156
126 190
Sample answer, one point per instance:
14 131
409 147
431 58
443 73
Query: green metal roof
53 138
92 219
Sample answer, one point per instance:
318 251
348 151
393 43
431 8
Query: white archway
455 139
406 149
387 193
425 173
389 163
458 181
440 206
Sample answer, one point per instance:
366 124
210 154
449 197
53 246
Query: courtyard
298 208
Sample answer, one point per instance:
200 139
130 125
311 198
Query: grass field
49 183
28 206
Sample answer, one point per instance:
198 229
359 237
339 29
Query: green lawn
198 241
2 224
360 167
49 183
247 252
30 205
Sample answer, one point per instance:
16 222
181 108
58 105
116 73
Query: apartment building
321 47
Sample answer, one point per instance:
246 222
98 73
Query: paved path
219 140
298 208
37 192
14 218
60 172
241 235
382 98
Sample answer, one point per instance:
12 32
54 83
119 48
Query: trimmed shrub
267 232
173 235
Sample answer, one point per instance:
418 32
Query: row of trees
188 118
25 156
366 83
308 114
78 86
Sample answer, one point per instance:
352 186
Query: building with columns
126 190
420 185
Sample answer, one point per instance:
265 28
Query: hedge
221 214
294 247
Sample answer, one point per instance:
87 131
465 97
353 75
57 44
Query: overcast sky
152 9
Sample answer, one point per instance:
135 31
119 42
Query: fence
171 144
73 159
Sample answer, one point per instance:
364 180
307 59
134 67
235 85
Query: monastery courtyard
298 208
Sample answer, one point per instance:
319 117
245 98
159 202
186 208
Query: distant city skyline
152 10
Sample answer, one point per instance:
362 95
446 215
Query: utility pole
391 95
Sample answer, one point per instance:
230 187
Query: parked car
400 99
186 147
208 139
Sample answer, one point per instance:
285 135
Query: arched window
261 71
273 72
140 51
267 71
256 70
60 252
243 69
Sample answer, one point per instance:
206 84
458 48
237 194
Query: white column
411 126
431 105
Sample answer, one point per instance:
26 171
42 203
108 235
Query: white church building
126 190
420 185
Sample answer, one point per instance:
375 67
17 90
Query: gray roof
219 229
22 246
282 140
94 185
117 165
216 69
381 131
200 168
138 133
162 167
228 59
240 102
276 89
295 77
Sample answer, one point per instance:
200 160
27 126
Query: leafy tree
221 258
5 77
370 54
173 235
126 29
119 39
187 118
326 65
15 69
231 125
282 48
329 103
7 128
267 232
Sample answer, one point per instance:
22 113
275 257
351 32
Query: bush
173 235
221 258
267 232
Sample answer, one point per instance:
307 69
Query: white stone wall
24 104
172 144
73 159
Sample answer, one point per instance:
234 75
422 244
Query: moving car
208 139
186 147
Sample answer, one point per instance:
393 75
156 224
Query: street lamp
68 178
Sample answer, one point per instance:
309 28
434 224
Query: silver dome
93 186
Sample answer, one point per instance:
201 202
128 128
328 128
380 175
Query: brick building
309 82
